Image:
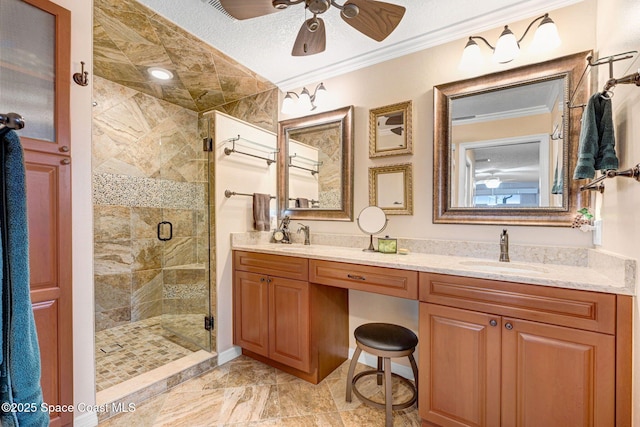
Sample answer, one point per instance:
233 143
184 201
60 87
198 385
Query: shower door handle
164 239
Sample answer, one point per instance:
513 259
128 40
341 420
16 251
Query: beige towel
261 220
301 202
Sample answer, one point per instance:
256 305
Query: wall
412 77
618 31
82 259
241 174
148 167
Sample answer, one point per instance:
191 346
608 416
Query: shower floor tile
129 350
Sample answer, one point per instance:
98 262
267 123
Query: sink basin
504 267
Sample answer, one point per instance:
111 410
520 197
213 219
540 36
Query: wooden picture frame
386 183
390 132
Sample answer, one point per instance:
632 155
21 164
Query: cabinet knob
64 148
493 322
508 325
262 279
65 161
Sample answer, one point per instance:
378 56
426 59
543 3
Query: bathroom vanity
497 346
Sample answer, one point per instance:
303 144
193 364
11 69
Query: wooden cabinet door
556 377
251 312
459 367
289 322
49 220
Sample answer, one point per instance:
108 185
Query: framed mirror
315 166
391 189
390 130
505 145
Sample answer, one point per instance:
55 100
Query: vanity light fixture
160 73
507 47
305 101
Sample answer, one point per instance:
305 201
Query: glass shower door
185 233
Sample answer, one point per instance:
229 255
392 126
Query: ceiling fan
374 19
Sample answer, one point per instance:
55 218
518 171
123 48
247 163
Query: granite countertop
561 276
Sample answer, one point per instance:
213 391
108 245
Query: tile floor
245 392
126 351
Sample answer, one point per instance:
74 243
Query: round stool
385 341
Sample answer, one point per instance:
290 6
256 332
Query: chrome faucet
504 246
306 230
284 227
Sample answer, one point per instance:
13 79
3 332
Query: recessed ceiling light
160 73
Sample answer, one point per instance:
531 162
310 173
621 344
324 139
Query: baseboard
229 355
86 419
372 361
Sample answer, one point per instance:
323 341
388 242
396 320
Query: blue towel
597 139
20 363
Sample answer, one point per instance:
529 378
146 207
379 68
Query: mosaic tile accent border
121 190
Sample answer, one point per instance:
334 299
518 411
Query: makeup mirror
372 220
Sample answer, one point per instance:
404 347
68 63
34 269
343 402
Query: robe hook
81 78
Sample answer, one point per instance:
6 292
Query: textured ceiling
129 38
264 44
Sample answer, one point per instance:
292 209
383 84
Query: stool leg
388 396
380 372
352 368
414 367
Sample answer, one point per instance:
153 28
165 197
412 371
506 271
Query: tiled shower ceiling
129 38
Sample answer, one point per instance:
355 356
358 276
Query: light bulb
321 95
471 56
507 48
546 36
304 102
160 73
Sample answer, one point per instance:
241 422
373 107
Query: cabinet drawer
273 265
380 280
566 307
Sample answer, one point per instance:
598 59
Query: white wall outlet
597 232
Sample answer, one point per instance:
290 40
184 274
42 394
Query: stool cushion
386 337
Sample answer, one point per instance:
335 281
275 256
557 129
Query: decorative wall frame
390 132
387 183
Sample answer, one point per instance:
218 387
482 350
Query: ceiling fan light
492 182
507 48
546 36
304 101
350 11
280 4
471 56
288 104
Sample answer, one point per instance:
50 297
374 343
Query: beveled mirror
505 145
390 132
315 166
391 188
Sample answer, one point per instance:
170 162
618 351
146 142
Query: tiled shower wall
148 166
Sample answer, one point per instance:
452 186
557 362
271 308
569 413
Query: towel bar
598 185
229 193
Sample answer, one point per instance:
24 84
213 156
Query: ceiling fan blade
395 119
310 42
376 19
247 9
